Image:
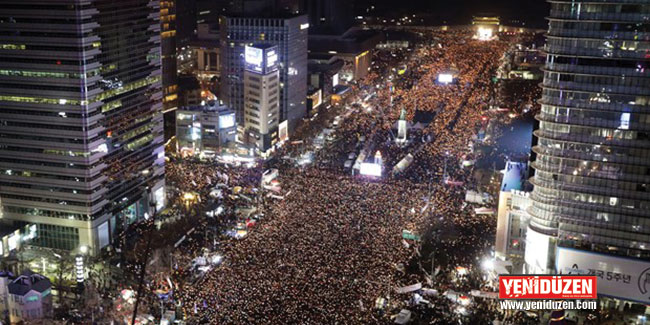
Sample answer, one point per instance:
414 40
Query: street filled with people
307 238
331 246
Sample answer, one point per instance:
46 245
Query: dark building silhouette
329 16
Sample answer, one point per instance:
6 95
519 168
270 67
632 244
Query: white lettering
528 286
556 286
507 284
567 285
586 286
544 286
517 287
576 286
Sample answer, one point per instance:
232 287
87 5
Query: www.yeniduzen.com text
547 304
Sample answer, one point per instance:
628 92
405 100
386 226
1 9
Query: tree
64 269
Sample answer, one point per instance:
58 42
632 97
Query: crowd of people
333 246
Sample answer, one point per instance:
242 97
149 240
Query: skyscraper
261 91
592 179
290 36
81 129
169 76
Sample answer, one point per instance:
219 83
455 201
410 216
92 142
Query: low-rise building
396 40
26 297
207 52
353 47
15 234
512 216
204 129
324 75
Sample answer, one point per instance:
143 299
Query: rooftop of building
398 35
263 46
210 106
28 281
354 41
514 176
322 62
267 14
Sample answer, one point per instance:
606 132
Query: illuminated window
13 46
40 100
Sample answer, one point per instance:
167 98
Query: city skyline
324 162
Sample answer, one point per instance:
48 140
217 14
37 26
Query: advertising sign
547 287
617 276
537 247
283 131
226 121
316 99
254 58
271 60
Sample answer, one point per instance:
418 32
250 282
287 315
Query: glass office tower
290 36
81 129
169 73
592 178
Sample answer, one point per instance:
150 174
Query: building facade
204 130
25 298
261 98
592 167
290 36
81 125
169 73
512 223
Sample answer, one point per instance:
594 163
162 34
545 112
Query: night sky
460 11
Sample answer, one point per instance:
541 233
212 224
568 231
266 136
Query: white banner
621 277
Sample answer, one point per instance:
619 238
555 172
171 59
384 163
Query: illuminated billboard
316 98
370 169
261 58
253 55
271 60
283 131
226 121
537 249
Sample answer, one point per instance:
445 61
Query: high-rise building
208 11
186 17
290 36
591 201
261 93
169 73
81 125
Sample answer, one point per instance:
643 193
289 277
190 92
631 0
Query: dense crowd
333 245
